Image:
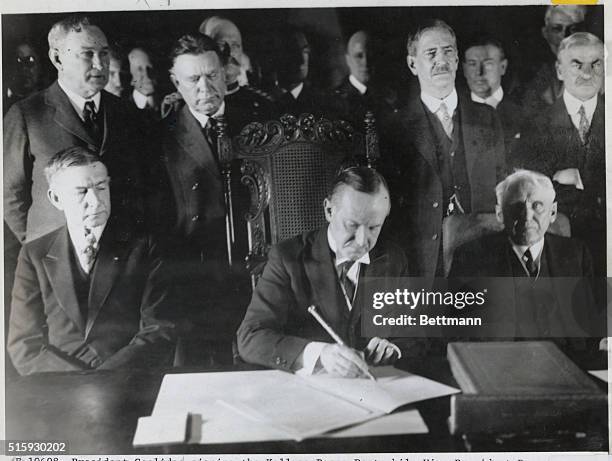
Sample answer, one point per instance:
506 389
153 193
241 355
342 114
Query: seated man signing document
324 268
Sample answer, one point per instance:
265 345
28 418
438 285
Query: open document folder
204 393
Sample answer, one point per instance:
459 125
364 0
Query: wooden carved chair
288 165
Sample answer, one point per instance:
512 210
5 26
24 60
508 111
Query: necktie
210 133
90 118
583 125
530 264
446 120
349 286
90 251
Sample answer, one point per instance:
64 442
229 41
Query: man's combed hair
529 176
72 156
194 44
60 29
360 178
579 39
413 38
483 40
576 12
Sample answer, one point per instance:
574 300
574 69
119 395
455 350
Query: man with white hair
540 288
73 111
545 88
567 142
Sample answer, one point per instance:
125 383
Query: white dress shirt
297 90
203 118
78 102
572 105
535 250
493 100
433 104
142 101
357 84
77 237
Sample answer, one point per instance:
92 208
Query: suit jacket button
435 204
195 186
195 217
434 237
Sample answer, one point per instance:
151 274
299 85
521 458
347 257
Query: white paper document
155 430
202 394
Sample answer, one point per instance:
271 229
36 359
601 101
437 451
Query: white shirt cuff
310 357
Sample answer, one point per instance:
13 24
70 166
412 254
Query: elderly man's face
83 194
559 26
201 81
435 63
228 37
581 68
483 68
82 61
114 85
356 219
141 68
358 57
527 211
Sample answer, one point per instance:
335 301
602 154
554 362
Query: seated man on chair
324 268
89 294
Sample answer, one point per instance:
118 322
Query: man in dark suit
324 268
484 65
567 143
72 111
296 95
447 161
543 287
244 104
89 294
358 93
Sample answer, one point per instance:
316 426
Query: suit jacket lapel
65 114
57 266
321 274
189 135
105 108
418 125
105 272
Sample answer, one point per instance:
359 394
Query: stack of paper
282 406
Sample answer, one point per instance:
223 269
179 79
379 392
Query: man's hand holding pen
341 360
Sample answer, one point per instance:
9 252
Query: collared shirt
297 90
203 118
433 104
78 102
142 101
77 237
572 105
357 84
535 250
493 100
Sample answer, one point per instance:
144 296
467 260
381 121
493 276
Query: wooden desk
96 412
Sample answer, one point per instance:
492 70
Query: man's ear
54 199
498 213
327 207
54 56
504 66
410 60
553 212
174 80
558 67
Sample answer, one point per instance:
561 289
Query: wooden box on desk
515 386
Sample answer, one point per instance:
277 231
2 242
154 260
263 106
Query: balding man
75 110
545 88
447 152
567 142
358 93
243 104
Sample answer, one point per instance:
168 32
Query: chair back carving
288 165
